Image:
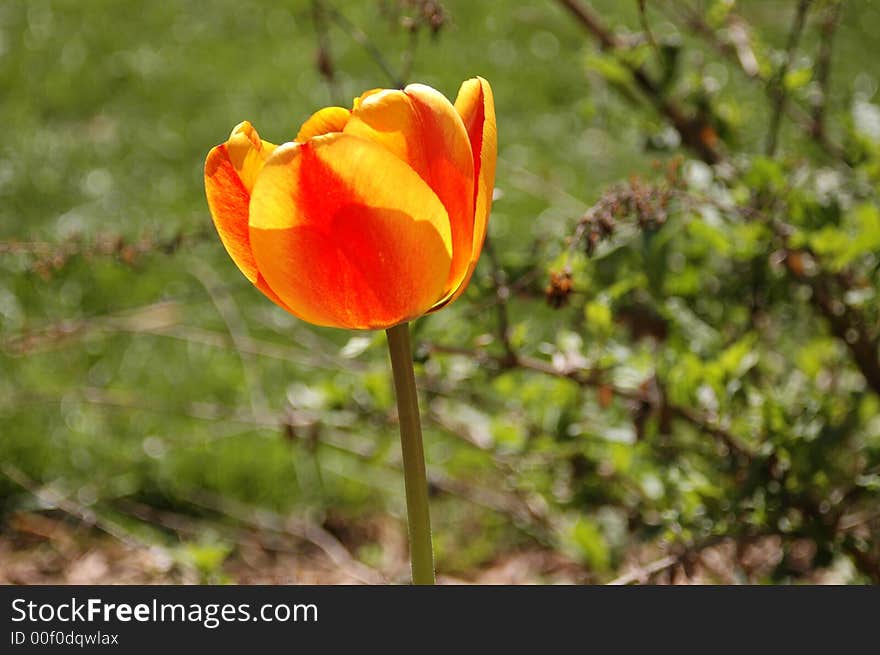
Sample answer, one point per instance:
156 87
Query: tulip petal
247 153
422 128
229 173
476 105
366 94
324 121
348 235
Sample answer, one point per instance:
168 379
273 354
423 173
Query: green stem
415 478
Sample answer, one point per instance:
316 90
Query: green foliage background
138 366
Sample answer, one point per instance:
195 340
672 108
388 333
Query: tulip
370 218
373 216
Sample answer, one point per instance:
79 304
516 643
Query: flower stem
415 478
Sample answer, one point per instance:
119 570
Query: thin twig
596 379
525 513
644 573
827 30
739 51
162 319
409 54
129 400
502 293
847 324
779 92
695 131
324 56
359 36
646 28
47 257
541 187
52 498
231 316
511 502
304 529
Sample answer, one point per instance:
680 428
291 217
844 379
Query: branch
827 30
777 85
52 498
695 132
865 562
323 56
646 28
305 530
594 379
688 554
359 36
845 323
739 51
502 293
511 503
163 319
46 257
643 574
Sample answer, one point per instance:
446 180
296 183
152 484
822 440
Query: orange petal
476 106
324 121
229 173
422 128
348 235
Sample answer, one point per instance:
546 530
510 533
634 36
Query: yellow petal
230 169
247 153
366 94
348 235
476 105
422 128
324 121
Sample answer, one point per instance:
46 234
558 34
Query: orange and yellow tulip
372 216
